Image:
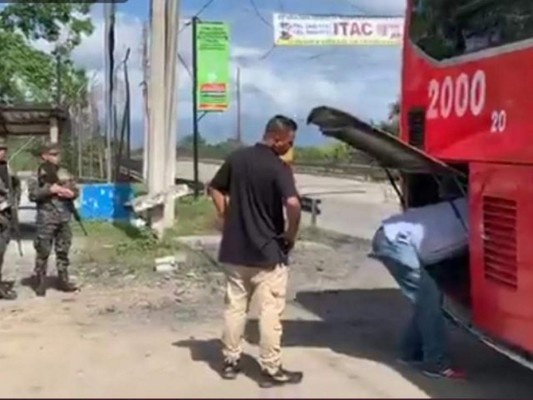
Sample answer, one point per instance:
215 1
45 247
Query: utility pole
195 132
171 104
239 113
109 40
157 149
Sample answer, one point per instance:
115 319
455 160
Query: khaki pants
270 288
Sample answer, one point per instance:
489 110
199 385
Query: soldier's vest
56 209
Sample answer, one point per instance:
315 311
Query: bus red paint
466 101
467 129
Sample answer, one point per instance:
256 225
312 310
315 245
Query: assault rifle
55 175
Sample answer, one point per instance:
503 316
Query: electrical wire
206 5
267 53
258 14
184 64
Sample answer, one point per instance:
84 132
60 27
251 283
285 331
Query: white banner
312 30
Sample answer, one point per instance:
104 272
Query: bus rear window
450 28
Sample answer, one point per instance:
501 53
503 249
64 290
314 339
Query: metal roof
28 119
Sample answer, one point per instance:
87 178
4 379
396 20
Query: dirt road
160 338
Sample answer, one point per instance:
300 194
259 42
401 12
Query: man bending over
408 242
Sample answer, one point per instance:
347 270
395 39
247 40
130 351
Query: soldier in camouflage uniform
54 199
9 197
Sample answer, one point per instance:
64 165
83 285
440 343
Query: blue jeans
425 339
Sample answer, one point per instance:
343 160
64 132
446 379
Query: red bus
465 111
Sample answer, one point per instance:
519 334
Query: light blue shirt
435 231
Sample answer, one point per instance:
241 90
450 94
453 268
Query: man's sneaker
280 377
447 373
230 370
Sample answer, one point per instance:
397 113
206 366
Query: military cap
3 142
49 147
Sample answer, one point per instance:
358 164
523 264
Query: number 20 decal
457 96
499 121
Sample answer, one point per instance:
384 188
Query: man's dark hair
280 122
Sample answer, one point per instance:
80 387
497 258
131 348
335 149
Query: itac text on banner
305 30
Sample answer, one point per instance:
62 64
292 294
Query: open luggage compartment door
389 151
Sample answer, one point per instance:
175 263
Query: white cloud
290 81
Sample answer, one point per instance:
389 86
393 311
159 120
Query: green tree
392 124
187 142
29 74
46 21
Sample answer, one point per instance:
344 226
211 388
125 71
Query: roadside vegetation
118 253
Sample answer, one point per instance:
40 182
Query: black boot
40 284
279 378
65 285
230 370
7 292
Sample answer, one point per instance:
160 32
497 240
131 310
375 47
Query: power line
182 62
204 7
267 53
200 11
258 13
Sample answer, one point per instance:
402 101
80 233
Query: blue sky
363 80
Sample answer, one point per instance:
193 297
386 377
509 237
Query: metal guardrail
133 169
367 172
311 205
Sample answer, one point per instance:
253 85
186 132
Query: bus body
466 101
465 115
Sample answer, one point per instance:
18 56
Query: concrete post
171 104
157 99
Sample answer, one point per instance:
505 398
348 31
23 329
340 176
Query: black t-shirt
257 183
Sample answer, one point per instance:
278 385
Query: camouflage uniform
9 194
53 227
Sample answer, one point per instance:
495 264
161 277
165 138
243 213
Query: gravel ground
157 335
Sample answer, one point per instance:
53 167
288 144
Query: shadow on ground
52 282
367 324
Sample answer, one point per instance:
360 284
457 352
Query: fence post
314 210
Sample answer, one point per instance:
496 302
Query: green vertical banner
212 63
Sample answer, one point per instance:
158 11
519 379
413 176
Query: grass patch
139 189
114 250
194 217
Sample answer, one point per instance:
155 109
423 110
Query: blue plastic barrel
105 202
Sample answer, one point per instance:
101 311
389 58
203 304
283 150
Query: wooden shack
37 120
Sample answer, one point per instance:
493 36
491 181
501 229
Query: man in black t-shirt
255 244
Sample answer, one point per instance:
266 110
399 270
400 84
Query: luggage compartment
501 251
453 276
489 290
